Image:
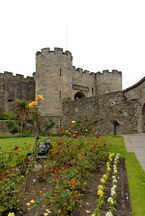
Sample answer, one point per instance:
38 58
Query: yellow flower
28 204
100 193
11 214
32 201
108 169
101 187
102 180
105 177
48 211
40 97
111 155
87 211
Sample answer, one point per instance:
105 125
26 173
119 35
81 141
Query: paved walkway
136 143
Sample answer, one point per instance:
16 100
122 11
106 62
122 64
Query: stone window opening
10 100
79 95
92 91
60 72
60 94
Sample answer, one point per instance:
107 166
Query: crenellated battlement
83 72
107 72
10 75
56 51
95 74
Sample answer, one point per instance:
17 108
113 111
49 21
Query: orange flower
73 182
33 104
40 97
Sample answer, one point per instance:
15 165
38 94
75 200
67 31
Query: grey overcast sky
101 34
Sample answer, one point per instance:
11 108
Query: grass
136 174
8 144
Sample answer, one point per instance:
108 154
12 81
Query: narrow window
10 100
92 91
60 94
60 71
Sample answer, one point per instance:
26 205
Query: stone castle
75 94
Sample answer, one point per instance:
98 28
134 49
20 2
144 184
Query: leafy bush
27 133
8 192
46 127
12 126
8 116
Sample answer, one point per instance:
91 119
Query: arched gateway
79 95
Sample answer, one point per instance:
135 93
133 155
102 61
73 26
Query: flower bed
76 179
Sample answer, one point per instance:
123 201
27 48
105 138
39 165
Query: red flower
60 143
65 165
16 148
97 137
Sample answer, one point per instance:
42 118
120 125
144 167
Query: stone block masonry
76 94
13 88
58 80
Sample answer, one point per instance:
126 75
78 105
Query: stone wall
103 111
84 81
13 88
107 82
58 80
115 107
137 92
83 109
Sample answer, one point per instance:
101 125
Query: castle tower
107 82
53 79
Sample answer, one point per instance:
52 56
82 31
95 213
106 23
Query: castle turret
53 79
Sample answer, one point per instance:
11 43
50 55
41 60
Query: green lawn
136 175
24 143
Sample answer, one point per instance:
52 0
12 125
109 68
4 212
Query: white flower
114 181
109 213
73 122
113 177
108 164
110 200
114 187
113 192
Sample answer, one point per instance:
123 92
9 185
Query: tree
22 111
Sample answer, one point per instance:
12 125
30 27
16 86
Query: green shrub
27 133
12 126
8 116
